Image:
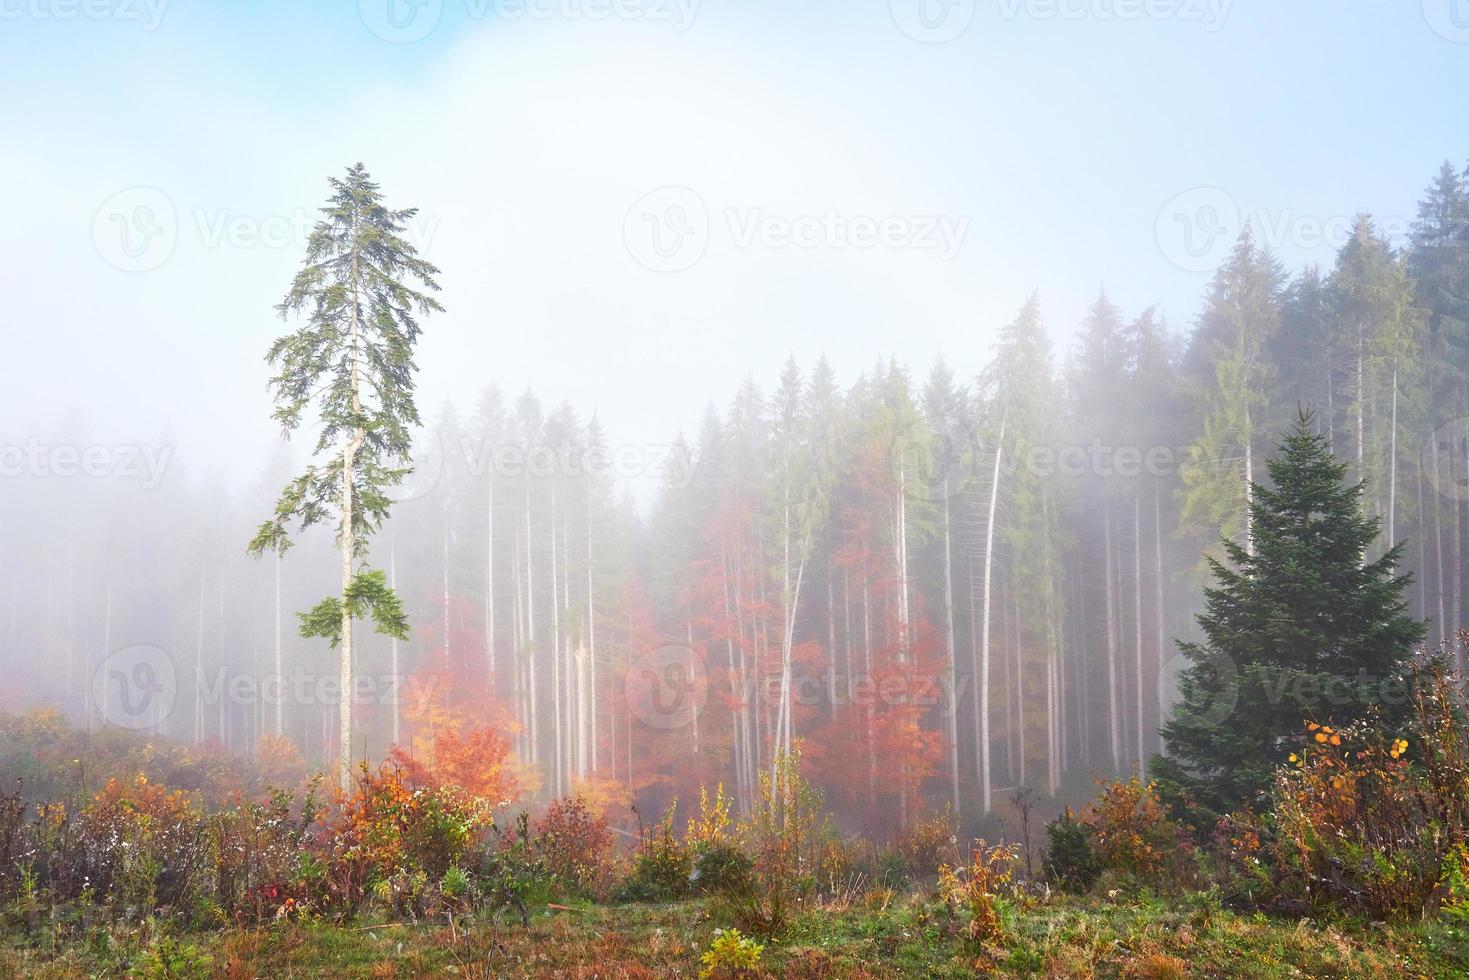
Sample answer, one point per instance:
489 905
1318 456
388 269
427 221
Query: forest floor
1061 937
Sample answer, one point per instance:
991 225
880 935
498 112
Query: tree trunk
347 540
397 667
983 692
1114 731
953 705
1158 597
490 583
1137 633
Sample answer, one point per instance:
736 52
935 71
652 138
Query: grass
1069 937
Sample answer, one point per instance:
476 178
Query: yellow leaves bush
981 891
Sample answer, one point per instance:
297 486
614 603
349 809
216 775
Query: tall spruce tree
351 364
1301 629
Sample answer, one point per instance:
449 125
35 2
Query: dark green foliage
1302 629
720 868
1070 860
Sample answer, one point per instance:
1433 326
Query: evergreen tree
351 363
1300 629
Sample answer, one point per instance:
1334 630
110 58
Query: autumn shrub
1071 861
730 956
979 895
576 847
929 844
785 836
256 855
144 847
663 865
1361 826
1133 836
390 841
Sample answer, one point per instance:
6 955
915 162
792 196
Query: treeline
943 586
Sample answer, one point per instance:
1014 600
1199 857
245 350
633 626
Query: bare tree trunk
490 583
1249 485
1392 465
591 641
558 767
280 669
1114 731
953 705
532 693
1158 597
1438 578
397 667
1137 598
983 692
198 670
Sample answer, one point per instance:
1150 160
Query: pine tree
351 363
1301 629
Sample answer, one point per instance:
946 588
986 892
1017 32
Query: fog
864 350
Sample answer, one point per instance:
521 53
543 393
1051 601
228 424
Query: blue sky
852 188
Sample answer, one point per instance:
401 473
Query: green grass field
1185 936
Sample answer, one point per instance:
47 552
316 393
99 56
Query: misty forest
1134 647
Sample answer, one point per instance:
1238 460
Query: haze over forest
855 393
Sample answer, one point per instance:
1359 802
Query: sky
635 202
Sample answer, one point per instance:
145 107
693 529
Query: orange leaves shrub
1133 834
472 759
391 840
576 846
1374 821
